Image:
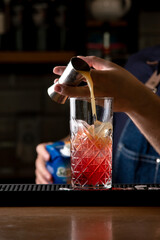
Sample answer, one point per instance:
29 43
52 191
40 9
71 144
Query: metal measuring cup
70 76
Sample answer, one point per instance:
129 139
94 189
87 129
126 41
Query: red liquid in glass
91 160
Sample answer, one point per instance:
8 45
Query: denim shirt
135 160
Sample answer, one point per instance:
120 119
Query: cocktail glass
91 143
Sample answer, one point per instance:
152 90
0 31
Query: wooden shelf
36 57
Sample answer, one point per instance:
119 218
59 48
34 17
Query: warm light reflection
88 228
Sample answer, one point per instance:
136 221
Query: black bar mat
64 195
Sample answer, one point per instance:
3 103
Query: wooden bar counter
79 223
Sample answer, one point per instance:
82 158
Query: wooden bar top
80 223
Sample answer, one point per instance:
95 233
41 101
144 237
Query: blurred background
35 36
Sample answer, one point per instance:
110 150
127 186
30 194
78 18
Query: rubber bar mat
64 195
67 187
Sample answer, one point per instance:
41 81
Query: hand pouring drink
91 138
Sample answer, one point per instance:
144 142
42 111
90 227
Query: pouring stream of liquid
88 78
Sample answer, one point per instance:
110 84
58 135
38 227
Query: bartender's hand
109 80
42 174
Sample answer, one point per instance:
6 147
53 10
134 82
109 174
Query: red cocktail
91 143
91 156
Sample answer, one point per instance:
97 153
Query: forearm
146 116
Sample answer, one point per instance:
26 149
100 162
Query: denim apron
136 161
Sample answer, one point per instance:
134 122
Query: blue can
59 163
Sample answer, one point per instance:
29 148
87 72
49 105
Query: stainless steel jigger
70 76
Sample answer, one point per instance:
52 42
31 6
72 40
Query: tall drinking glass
91 143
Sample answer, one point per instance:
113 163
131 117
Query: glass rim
86 98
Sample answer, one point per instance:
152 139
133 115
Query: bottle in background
29 30
58 21
67 25
17 25
7 24
2 24
40 18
